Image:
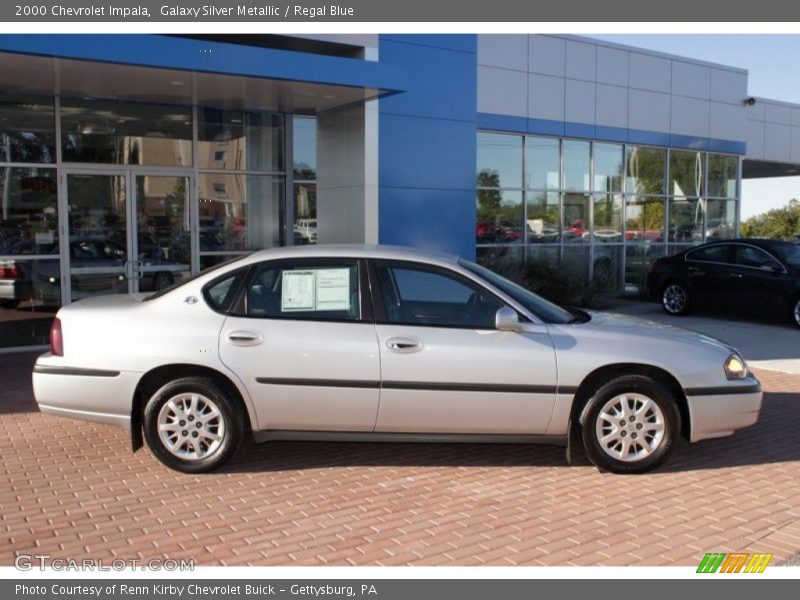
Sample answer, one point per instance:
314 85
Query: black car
745 275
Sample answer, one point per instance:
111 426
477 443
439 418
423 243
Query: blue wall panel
427 144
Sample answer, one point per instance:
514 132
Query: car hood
652 330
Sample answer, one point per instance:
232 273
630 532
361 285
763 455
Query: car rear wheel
630 425
675 298
192 426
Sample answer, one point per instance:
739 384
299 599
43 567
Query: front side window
314 290
425 296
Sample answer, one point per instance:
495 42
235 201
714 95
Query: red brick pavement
74 490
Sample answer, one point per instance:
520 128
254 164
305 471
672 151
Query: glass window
645 170
644 219
237 140
246 214
542 224
30 296
639 259
576 217
721 220
607 266
318 290
543 163
685 220
126 133
750 256
27 129
607 167
499 217
28 213
576 165
608 218
305 213
722 171
418 295
789 253
720 253
499 160
305 148
686 173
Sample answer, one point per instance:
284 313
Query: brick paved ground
74 490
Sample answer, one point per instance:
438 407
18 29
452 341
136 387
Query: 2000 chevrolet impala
380 344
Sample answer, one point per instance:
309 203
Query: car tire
643 436
10 304
675 298
794 311
161 281
192 426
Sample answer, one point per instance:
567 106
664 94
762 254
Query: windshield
544 309
183 282
790 254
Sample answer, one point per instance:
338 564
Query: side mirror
507 319
772 268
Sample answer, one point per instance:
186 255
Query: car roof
355 251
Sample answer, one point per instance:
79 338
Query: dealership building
128 162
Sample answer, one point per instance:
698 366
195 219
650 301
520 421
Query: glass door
162 231
129 231
97 248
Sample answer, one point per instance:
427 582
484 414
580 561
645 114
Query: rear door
302 341
445 368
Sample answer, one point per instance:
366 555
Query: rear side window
221 292
718 254
325 290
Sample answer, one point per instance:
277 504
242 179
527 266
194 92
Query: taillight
10 271
56 338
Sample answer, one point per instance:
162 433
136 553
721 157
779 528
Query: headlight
735 367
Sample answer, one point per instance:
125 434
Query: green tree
778 223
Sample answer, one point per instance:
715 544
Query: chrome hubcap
191 426
797 312
674 298
630 427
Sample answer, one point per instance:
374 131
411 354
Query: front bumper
94 395
718 412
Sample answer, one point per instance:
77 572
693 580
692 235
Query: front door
446 369
128 232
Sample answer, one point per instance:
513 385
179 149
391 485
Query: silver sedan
378 343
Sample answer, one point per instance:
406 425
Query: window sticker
297 291
333 289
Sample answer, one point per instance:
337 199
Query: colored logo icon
735 562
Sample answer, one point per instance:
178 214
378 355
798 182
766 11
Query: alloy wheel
796 313
191 426
674 298
630 427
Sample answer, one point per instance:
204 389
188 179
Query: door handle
404 344
244 338
737 275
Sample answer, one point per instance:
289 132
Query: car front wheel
192 426
675 298
630 425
